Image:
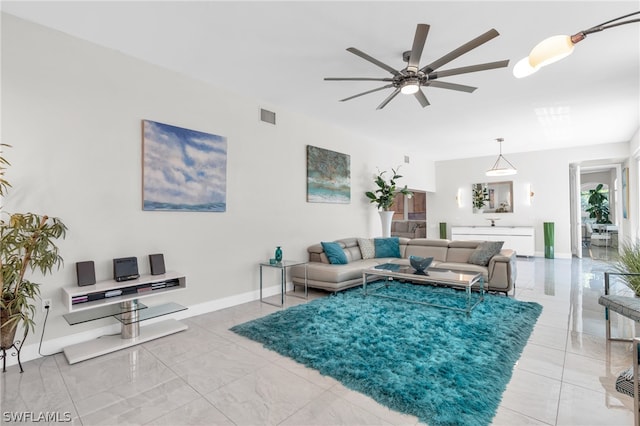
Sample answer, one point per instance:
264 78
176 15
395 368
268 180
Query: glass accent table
283 265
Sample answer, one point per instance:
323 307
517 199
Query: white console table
120 300
519 238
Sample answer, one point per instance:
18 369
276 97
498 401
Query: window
414 208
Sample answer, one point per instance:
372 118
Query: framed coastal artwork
183 169
328 176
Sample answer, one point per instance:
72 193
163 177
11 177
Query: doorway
595 234
410 215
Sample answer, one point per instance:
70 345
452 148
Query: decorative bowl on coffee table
420 263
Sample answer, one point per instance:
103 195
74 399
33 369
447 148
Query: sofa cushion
351 248
335 273
464 267
367 248
399 226
459 251
335 253
425 247
387 247
484 252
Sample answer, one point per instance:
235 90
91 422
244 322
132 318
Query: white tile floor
208 375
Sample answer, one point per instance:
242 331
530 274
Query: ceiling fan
410 79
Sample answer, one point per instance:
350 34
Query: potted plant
479 197
27 244
629 263
598 205
384 197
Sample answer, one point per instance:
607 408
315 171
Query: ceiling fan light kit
410 87
502 166
412 78
558 47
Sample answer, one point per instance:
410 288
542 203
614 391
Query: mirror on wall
492 197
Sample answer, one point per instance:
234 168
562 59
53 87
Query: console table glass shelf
97 313
120 301
152 312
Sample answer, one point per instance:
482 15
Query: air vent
267 116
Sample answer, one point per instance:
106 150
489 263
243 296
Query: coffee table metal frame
433 276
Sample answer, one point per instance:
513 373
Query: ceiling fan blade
471 68
418 44
356 79
367 92
421 98
492 33
373 60
452 86
389 98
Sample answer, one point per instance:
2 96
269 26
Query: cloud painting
328 176
183 170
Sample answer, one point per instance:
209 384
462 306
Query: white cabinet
519 238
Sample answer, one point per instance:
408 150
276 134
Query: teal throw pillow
334 253
484 252
387 247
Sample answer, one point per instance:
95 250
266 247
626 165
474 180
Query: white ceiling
279 53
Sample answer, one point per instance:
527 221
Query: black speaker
157 264
125 268
86 273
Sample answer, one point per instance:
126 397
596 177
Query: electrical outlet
46 303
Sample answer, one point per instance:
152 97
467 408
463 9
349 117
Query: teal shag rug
440 365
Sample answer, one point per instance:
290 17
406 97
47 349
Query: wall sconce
530 193
459 197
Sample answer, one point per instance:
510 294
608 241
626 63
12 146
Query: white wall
547 172
631 224
72 112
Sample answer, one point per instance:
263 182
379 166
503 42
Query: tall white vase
386 217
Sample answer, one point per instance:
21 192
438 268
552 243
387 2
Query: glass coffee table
391 272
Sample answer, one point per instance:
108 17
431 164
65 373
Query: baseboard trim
53 346
556 255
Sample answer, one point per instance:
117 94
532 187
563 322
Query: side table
283 265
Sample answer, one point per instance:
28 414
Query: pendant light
502 166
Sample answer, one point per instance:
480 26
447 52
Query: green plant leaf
629 263
386 192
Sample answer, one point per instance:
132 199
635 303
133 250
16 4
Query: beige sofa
409 228
499 275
